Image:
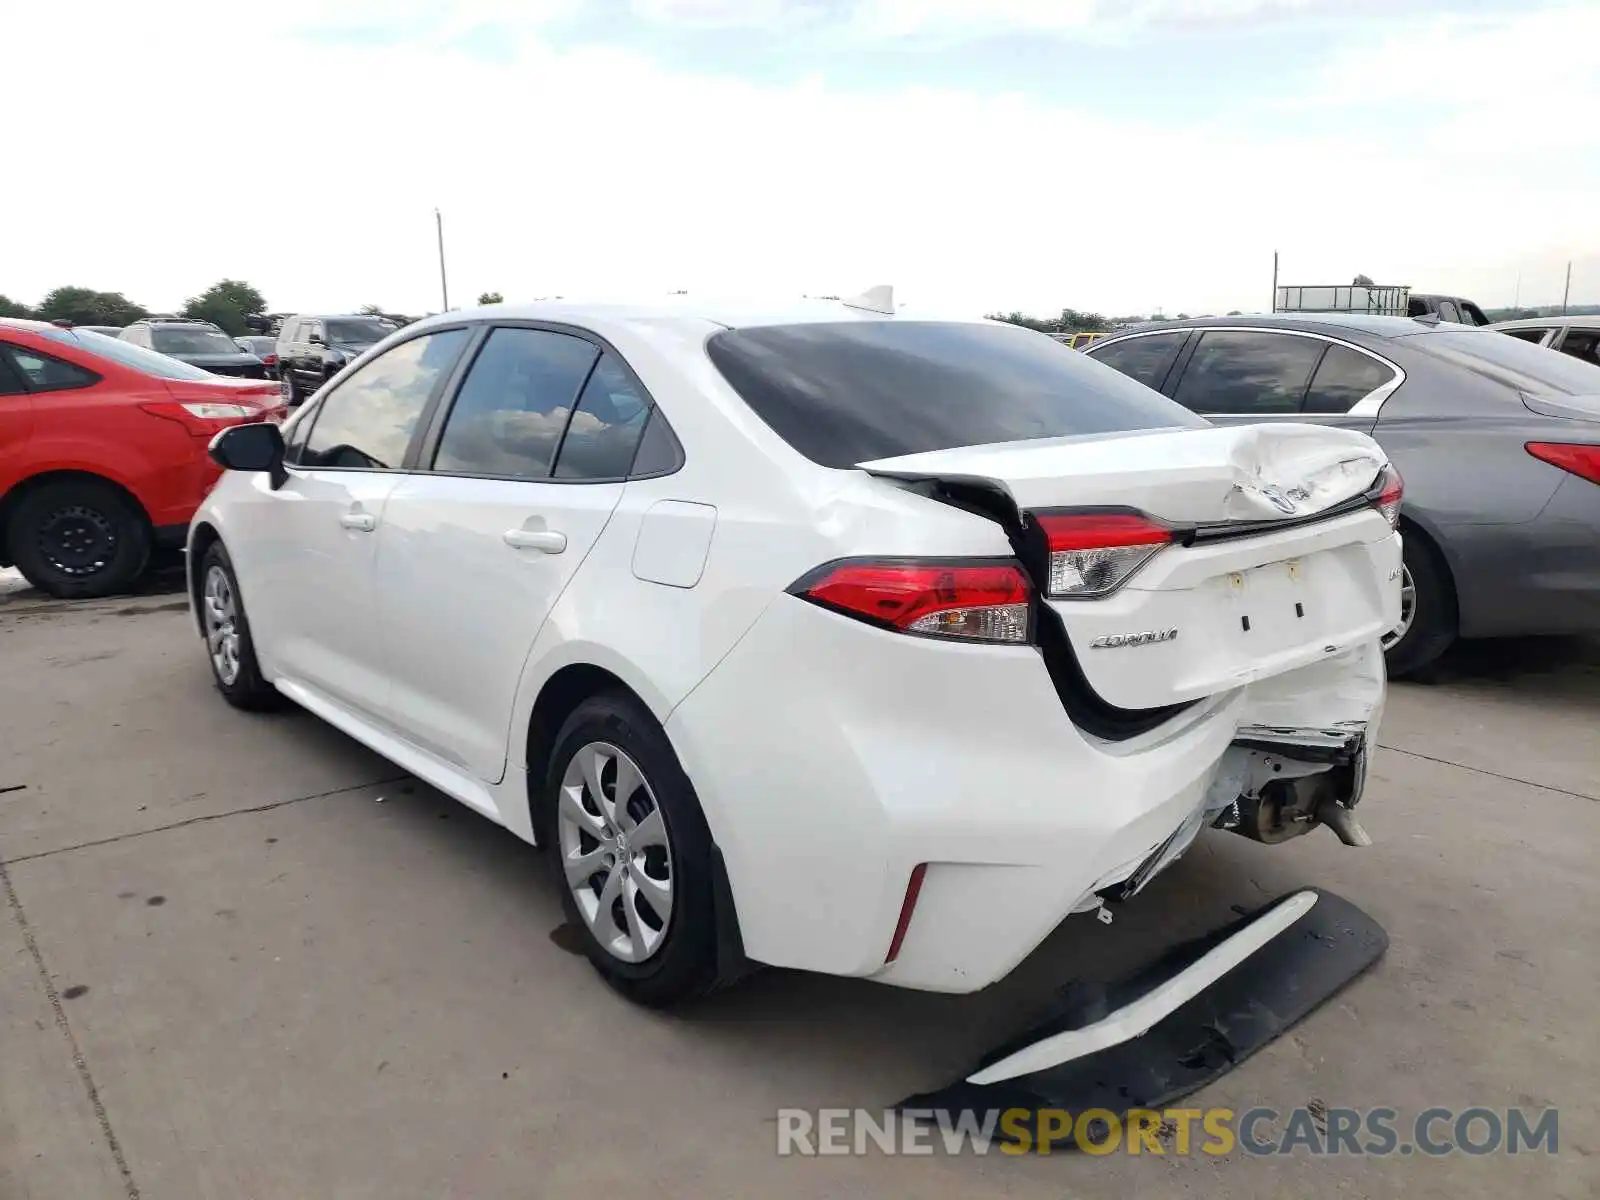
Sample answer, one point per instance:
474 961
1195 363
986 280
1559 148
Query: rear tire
1432 626
645 913
287 386
79 538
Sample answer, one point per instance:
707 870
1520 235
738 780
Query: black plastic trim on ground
1272 990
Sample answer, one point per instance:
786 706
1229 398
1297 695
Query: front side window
367 422
1248 373
849 392
1343 378
513 406
1536 336
606 426
44 373
1447 312
1147 359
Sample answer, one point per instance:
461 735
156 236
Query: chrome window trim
1368 406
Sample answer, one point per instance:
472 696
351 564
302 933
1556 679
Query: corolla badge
1283 501
1117 641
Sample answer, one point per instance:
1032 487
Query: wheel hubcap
222 625
615 851
77 540
1408 610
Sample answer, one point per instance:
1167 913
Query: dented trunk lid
1280 561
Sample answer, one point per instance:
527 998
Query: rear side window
1343 378
10 380
1247 373
1583 345
1147 359
1536 336
852 392
367 422
606 426
1514 363
513 406
44 373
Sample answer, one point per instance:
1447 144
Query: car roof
1329 323
1548 322
729 313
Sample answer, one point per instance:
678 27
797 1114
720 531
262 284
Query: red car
103 452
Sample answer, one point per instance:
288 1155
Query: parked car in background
103 452
198 343
1577 336
1498 443
313 349
923 621
264 347
104 330
1455 309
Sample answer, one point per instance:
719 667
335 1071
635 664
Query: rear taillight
1093 552
1390 489
204 417
961 601
269 360
1580 458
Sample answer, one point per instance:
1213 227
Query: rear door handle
359 521
547 540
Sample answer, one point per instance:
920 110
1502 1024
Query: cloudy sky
1118 155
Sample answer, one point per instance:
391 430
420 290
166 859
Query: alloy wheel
221 616
616 854
1408 610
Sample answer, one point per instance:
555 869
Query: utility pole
1566 292
444 287
1274 306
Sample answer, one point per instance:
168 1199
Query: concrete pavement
244 957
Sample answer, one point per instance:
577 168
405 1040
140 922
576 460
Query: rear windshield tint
1514 362
856 391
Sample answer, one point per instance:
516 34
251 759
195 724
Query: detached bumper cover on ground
1186 1020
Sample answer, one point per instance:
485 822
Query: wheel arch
201 538
24 487
1421 534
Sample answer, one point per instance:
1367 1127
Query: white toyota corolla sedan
815 635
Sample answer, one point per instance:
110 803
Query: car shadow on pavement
1569 665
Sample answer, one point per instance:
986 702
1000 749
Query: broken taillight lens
1094 552
1391 490
1581 458
963 601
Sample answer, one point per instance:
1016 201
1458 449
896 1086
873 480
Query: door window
10 379
43 373
605 428
1583 344
1447 312
1248 372
367 422
514 405
1344 377
1147 359
1536 336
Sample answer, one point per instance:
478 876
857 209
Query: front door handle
359 521
547 540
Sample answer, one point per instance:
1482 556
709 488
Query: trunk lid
1277 560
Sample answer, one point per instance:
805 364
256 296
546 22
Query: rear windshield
137 357
1514 362
179 339
856 391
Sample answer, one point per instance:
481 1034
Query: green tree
85 306
371 310
13 308
1070 321
491 298
226 304
1362 281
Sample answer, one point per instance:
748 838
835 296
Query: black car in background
312 349
198 343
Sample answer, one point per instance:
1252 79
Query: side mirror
254 447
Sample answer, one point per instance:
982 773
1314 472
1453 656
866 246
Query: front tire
79 538
1427 612
632 854
229 647
287 388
